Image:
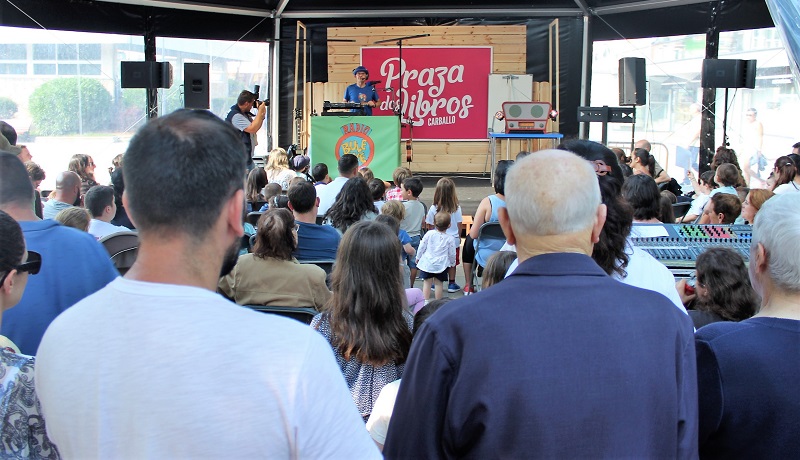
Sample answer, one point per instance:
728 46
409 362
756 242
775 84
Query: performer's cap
300 162
360 68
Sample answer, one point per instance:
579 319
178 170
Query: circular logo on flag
358 144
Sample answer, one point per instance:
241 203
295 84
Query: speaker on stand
728 73
632 87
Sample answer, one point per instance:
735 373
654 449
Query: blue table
555 137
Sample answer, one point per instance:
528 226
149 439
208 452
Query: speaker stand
725 122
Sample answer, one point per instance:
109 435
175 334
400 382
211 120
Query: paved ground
471 190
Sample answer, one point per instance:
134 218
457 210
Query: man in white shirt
348 168
167 367
99 200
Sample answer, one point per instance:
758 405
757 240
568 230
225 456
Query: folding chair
122 247
252 218
326 265
680 209
302 314
490 239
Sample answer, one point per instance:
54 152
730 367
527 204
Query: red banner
445 90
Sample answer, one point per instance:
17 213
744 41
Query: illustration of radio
526 116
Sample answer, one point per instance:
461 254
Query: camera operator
241 118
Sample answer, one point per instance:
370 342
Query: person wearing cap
300 164
362 92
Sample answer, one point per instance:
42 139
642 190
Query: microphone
374 82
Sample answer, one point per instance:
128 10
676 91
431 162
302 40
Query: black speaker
195 86
632 81
145 74
728 73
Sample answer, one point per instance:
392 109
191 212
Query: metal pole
275 100
150 55
708 123
583 127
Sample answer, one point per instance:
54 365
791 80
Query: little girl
446 200
437 252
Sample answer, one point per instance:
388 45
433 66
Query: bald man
74 264
558 360
661 175
68 190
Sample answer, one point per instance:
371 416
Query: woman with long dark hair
614 253
270 275
353 204
366 320
83 165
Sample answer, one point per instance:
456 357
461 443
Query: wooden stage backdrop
508 57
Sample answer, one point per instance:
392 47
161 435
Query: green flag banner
374 140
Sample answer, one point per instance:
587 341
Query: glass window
74 94
67 52
13 69
44 69
233 67
90 69
44 51
90 52
68 69
671 119
11 52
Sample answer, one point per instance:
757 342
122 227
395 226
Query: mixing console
677 246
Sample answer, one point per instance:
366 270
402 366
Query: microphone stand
399 108
399 40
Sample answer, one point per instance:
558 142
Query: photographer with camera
241 118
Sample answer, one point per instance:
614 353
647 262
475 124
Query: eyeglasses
31 265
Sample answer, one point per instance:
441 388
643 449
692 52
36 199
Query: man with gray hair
558 360
748 371
169 367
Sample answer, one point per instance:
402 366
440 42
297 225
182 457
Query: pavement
470 190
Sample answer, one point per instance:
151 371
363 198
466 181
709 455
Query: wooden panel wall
508 57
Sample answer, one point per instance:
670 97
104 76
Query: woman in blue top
487 212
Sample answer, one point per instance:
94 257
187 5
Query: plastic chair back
122 247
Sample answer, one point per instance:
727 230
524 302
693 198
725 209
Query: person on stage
362 92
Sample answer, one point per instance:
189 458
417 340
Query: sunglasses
31 265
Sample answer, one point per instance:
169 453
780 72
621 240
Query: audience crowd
575 342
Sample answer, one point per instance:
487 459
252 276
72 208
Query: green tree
57 110
7 107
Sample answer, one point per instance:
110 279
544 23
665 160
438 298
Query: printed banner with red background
446 89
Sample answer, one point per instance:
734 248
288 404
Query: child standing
446 200
437 252
412 223
398 176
